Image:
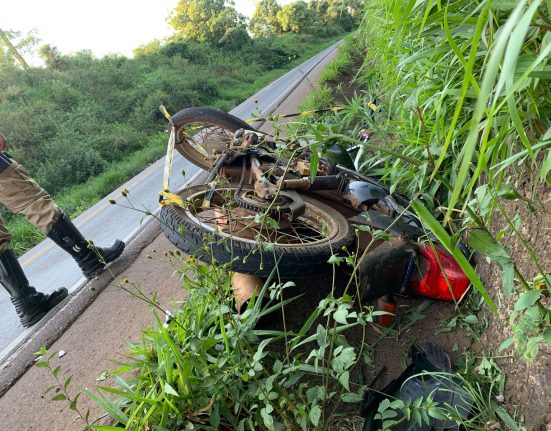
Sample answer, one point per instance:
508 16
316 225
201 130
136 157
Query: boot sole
40 315
34 320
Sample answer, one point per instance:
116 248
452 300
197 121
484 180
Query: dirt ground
528 385
417 321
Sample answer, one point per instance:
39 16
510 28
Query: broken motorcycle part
438 275
429 374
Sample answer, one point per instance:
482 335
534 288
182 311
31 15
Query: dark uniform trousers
22 195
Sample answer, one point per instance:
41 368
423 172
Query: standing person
22 195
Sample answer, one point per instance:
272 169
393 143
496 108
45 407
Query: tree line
218 21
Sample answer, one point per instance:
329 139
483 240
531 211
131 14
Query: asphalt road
48 267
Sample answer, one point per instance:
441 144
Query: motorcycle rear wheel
300 249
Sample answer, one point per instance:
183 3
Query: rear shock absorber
326 182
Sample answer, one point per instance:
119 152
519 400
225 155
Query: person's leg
5 236
23 195
29 304
92 260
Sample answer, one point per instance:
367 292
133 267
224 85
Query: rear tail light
388 304
439 275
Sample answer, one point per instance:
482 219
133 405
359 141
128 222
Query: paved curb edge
50 328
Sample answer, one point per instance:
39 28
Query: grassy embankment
463 95
467 105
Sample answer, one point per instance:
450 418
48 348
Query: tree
10 52
205 20
51 56
235 38
295 17
264 20
319 8
340 12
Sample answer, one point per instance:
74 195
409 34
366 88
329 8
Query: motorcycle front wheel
204 133
221 231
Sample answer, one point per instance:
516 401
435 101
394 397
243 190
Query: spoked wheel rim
188 229
225 218
202 132
205 140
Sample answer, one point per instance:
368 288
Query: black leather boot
92 260
30 305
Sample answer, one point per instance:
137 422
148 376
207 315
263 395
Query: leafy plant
62 389
476 407
211 368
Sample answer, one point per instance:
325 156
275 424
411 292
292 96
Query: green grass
319 98
341 63
239 91
78 199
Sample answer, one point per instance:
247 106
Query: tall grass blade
108 406
468 79
486 90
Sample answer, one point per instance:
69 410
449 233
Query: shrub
77 162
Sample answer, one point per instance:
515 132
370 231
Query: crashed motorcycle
269 203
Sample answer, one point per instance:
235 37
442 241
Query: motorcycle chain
272 212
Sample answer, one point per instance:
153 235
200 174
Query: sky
102 26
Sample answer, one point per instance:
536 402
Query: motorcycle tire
202 130
308 253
